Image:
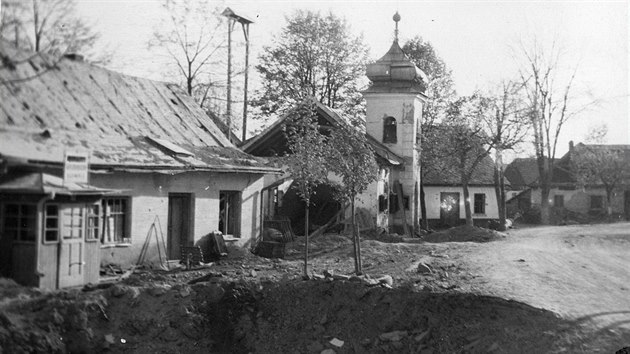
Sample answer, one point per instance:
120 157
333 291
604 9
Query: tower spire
396 19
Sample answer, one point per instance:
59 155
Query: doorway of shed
323 208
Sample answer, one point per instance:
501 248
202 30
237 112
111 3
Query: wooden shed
49 231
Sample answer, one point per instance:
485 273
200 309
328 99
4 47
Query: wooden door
72 246
449 208
178 224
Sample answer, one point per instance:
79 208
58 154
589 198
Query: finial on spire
396 19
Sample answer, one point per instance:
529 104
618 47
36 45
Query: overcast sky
475 39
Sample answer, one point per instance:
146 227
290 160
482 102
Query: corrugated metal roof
49 105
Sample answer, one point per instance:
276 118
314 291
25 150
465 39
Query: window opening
229 212
51 223
480 203
20 222
115 220
389 130
558 201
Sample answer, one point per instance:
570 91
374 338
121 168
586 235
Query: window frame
57 229
481 204
20 222
105 215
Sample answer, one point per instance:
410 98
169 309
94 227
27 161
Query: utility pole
244 21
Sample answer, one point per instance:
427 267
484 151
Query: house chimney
571 145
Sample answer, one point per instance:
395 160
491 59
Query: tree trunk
423 207
469 219
358 266
609 195
499 191
545 215
545 187
306 241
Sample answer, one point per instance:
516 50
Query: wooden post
231 23
246 33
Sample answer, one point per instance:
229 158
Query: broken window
389 130
20 222
229 212
116 221
558 201
480 203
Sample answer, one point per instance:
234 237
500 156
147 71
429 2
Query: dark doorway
179 212
449 208
626 204
229 212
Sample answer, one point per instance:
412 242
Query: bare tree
506 129
50 26
190 37
550 95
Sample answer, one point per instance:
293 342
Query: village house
566 194
104 168
444 196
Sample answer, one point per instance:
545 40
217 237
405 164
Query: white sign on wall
75 167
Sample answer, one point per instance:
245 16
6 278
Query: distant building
160 172
567 195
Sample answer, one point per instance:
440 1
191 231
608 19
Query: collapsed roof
49 106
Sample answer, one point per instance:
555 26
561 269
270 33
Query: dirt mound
465 233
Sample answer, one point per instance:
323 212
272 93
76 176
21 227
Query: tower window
389 130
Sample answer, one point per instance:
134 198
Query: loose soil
552 289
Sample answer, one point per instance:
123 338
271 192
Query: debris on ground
465 233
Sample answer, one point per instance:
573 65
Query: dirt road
581 272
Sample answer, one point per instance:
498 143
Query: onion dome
395 72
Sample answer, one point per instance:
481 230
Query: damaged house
392 125
104 168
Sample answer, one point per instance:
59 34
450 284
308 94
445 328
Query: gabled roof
482 176
522 172
272 141
50 105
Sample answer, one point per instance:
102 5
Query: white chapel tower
394 115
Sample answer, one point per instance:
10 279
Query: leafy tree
440 88
49 26
307 161
191 39
441 92
314 55
351 158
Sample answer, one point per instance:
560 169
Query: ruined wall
149 198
